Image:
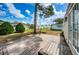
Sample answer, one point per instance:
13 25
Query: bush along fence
7 28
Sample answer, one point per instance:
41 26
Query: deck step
49 49
46 46
57 52
55 49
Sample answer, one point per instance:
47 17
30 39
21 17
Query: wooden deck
55 46
34 44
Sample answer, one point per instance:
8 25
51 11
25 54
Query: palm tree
46 11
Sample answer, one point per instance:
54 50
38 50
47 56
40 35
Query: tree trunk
35 18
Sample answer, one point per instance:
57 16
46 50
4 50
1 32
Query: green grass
29 31
43 30
15 36
11 37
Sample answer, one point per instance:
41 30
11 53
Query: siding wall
71 27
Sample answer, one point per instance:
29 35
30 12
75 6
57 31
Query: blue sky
24 12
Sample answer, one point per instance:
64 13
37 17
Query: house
71 27
57 27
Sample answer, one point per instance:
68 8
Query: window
78 29
76 26
73 27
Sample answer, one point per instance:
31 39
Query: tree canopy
20 28
6 28
59 20
46 11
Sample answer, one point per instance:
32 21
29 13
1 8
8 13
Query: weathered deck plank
57 47
46 44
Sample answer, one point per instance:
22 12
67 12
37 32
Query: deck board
47 44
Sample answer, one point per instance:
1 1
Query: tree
49 11
6 28
35 17
20 28
59 20
45 11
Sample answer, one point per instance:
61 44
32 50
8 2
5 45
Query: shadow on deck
31 45
56 47
25 46
63 47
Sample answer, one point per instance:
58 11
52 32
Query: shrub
6 28
20 28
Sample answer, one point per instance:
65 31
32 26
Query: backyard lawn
29 31
53 32
14 36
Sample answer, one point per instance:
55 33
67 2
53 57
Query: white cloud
2 13
27 11
14 11
32 15
23 21
32 19
58 14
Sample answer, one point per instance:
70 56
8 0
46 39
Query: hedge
20 28
6 28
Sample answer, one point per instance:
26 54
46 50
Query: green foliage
20 28
31 26
6 28
49 11
43 30
30 31
1 22
46 11
59 20
40 7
